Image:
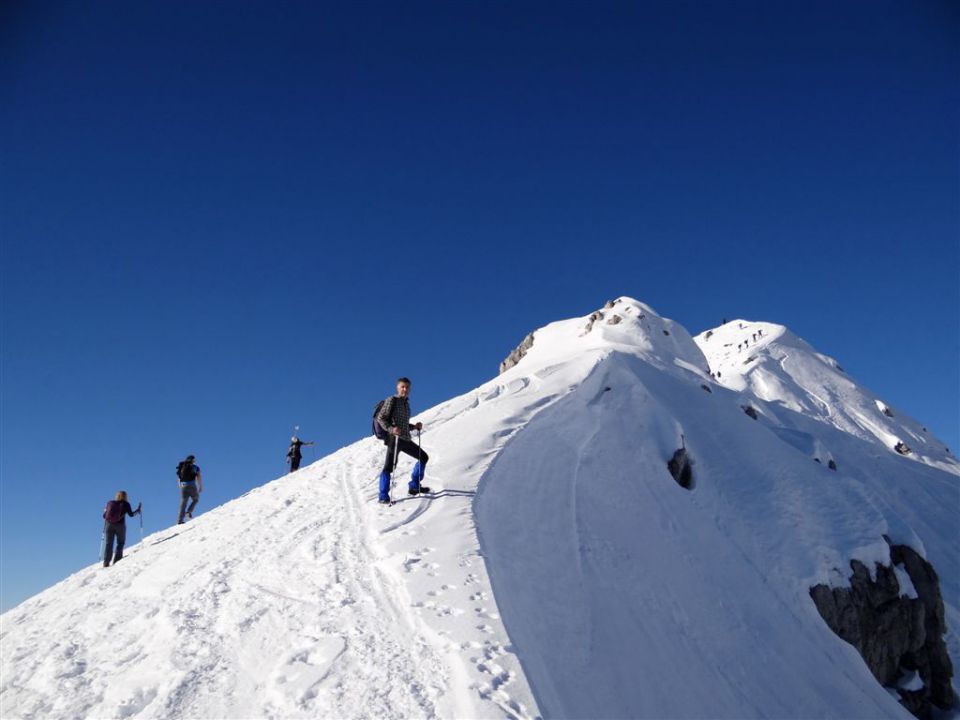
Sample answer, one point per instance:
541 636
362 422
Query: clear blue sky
223 219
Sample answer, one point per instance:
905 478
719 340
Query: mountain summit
627 522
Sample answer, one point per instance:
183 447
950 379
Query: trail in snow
285 603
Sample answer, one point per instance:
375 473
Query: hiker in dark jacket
191 485
394 418
115 526
294 456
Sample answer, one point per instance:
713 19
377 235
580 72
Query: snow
790 377
559 570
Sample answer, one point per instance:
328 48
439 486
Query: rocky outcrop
680 468
749 410
897 630
614 320
902 448
517 355
594 316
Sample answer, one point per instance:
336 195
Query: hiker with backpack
115 526
191 485
391 424
294 456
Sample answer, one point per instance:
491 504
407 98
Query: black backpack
186 471
377 430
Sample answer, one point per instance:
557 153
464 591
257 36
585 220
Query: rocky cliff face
895 620
517 354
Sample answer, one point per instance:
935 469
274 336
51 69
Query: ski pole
103 540
141 522
423 472
396 455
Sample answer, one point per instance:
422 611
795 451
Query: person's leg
121 541
194 498
387 470
410 448
294 463
108 544
184 494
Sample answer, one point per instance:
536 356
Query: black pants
294 463
406 446
111 532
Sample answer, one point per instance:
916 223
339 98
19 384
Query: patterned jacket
396 413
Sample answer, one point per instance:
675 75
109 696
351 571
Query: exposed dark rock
594 316
706 387
666 332
902 448
817 460
887 411
749 359
708 335
609 304
894 633
748 409
680 468
514 357
614 320
832 465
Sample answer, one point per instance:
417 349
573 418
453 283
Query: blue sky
223 219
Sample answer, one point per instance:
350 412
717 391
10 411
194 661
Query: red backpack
114 511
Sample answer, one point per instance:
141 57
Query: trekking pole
423 472
103 540
396 455
141 523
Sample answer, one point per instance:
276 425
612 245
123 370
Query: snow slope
770 363
559 571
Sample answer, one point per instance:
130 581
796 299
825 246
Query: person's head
403 387
121 496
293 439
190 458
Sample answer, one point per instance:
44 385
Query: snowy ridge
559 570
770 363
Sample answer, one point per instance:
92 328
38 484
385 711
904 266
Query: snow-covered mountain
559 570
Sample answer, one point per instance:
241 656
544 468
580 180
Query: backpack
186 471
378 431
113 512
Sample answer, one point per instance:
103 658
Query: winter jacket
127 510
396 413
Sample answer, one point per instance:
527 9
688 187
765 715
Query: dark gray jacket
395 413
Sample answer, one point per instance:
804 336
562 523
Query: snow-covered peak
768 362
625 325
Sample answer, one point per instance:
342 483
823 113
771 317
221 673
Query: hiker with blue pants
394 419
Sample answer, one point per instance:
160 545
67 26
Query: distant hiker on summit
115 526
392 425
294 456
191 485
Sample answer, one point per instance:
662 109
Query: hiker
754 337
191 485
294 456
394 420
115 526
